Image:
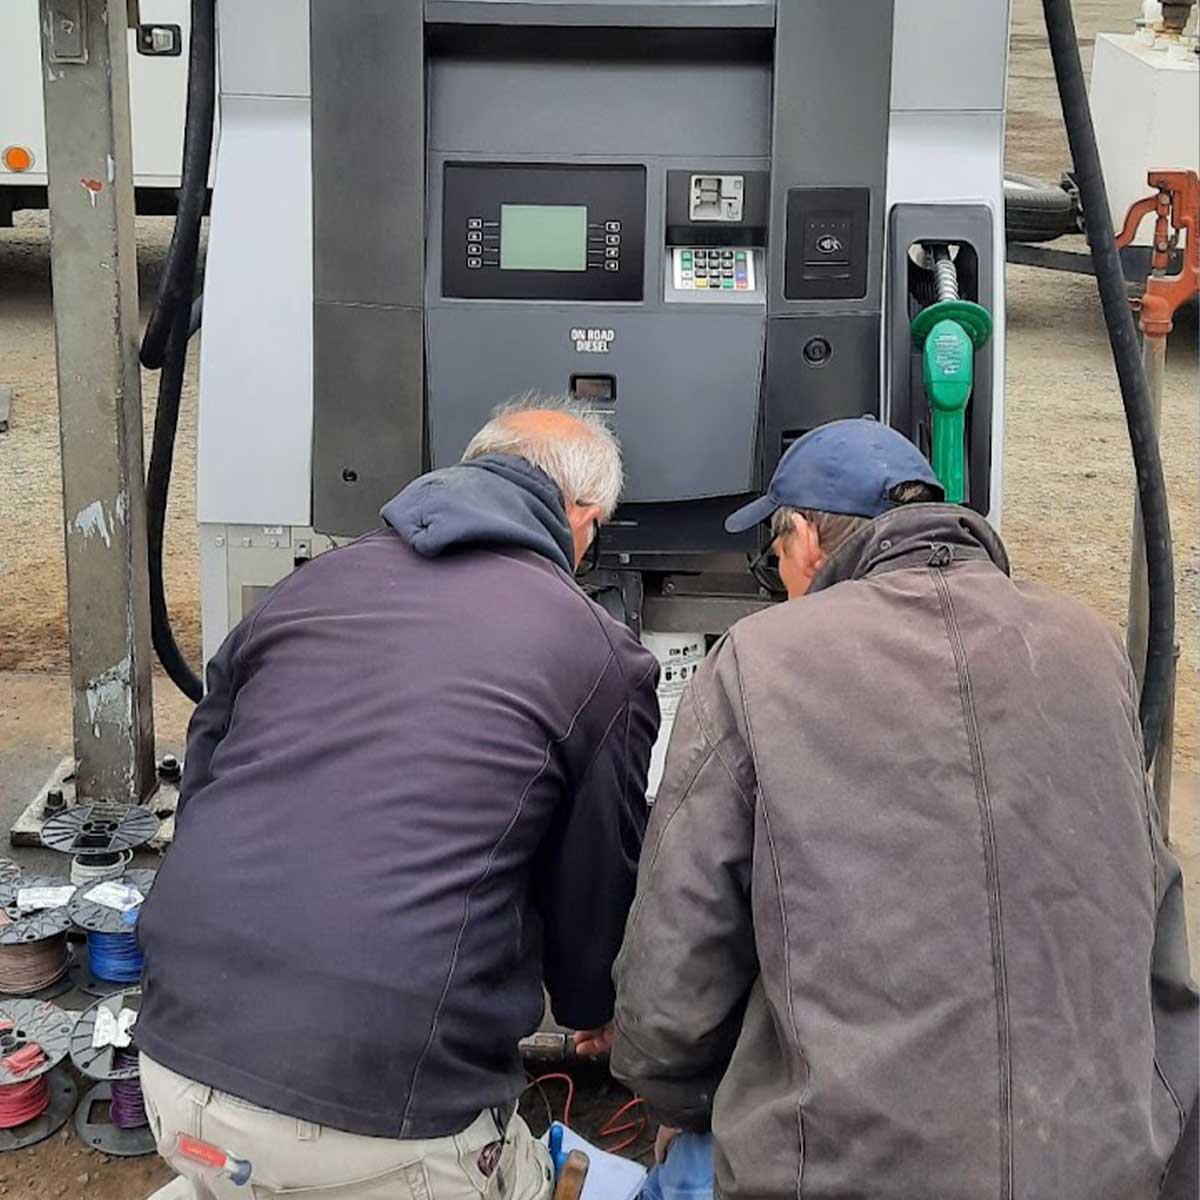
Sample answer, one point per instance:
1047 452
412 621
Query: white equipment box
1146 108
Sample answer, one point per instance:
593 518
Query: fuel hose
1135 395
165 342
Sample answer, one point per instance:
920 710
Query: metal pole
1154 358
94 269
1163 760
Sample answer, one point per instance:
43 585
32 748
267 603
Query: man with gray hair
414 792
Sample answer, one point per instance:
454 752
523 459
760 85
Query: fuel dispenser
708 219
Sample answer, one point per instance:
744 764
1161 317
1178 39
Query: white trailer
158 87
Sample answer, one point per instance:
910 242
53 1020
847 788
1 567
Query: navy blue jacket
414 790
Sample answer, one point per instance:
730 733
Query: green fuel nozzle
948 333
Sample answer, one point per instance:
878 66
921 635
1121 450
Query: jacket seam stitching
991 867
625 706
1181 1117
651 862
483 876
787 949
702 720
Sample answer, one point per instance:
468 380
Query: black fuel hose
1143 439
165 343
179 269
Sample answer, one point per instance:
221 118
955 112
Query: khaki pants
311 1162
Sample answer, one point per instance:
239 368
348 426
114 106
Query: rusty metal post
94 268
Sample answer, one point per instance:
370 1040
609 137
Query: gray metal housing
707 394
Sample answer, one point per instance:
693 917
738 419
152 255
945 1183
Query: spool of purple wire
128 1110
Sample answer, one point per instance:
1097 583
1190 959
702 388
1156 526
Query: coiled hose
165 342
1143 439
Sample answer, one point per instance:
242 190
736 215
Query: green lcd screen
543 237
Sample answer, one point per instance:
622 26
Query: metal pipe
1154 359
945 274
1164 759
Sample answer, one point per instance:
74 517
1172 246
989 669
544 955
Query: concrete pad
35 737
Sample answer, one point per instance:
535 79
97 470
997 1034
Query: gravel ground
1067 476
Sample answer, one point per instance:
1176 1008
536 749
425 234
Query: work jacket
414 791
905 927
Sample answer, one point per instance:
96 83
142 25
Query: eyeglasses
764 566
591 557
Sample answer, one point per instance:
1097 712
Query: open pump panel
698 215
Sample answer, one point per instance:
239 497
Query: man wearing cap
905 924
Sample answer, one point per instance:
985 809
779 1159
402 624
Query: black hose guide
165 343
1143 440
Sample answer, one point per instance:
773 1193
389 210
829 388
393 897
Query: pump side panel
255 415
946 155
368 66
829 131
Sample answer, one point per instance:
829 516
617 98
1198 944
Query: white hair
585 461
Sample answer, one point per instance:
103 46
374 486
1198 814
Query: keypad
707 268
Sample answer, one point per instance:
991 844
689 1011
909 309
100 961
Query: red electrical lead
21 1102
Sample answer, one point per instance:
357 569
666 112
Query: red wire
610 1129
606 1128
562 1077
21 1102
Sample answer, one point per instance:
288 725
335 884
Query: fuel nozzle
949 332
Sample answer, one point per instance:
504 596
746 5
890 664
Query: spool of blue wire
115 957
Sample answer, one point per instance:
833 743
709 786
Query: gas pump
707 218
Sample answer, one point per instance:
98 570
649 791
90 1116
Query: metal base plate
27 829
63 1095
97 1063
103 1135
81 976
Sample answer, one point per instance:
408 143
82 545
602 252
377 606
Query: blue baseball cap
846 467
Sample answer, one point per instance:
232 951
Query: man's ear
812 544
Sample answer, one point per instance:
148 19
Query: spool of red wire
20 1103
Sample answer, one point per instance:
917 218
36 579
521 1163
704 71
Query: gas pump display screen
543 237
536 231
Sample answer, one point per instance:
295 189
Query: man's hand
662 1142
589 1043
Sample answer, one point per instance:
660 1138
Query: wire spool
88 868
123 1130
35 1098
113 958
34 957
92 828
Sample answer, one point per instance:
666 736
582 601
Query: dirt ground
1067 509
